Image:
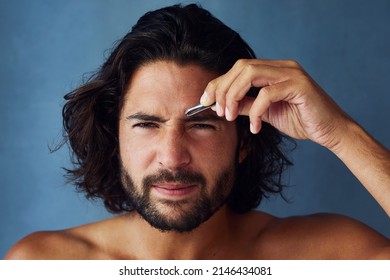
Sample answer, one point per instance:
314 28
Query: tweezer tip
196 109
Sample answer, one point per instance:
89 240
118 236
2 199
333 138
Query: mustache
179 176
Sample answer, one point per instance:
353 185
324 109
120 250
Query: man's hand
289 100
293 103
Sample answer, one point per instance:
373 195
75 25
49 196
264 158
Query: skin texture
290 101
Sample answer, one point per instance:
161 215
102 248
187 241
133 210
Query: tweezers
197 109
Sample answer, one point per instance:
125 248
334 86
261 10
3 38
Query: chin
174 218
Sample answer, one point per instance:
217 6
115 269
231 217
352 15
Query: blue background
47 46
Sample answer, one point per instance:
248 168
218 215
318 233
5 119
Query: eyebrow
145 117
196 118
204 118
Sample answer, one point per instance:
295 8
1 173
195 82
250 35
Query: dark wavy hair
185 35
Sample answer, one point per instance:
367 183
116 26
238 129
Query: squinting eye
203 126
145 125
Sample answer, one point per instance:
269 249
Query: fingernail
227 114
219 110
204 98
252 128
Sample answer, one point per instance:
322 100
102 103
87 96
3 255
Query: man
189 185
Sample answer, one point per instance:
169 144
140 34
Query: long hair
184 35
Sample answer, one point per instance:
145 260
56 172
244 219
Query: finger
223 83
259 110
279 63
245 106
229 89
253 75
216 89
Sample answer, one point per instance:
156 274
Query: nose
173 153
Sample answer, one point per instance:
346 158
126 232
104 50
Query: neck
204 242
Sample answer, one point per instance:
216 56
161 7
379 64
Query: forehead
167 82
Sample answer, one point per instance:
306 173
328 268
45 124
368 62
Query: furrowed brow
145 117
196 118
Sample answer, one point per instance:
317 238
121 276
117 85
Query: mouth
174 190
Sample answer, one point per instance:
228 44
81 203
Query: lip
175 190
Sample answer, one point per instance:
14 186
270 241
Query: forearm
368 160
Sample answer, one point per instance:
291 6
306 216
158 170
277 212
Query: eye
203 126
145 125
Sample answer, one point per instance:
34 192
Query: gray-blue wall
46 46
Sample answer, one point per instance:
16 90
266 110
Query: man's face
177 170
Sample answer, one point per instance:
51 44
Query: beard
178 215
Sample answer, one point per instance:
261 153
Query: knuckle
253 114
265 92
212 85
296 74
241 62
249 70
293 64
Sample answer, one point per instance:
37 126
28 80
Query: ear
243 151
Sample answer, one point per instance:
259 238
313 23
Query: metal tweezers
197 109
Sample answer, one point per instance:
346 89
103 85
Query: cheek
216 156
133 154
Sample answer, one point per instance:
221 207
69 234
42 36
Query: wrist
349 134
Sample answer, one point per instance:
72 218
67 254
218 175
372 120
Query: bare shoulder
44 245
321 236
80 242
